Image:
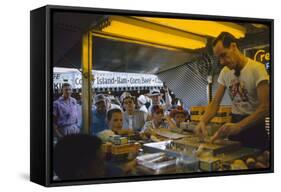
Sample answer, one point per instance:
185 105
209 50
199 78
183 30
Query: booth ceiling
134 44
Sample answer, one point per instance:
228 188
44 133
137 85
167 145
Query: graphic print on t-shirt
238 92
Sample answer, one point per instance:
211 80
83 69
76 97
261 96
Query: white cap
142 99
126 95
154 92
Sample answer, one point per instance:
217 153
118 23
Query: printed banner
105 79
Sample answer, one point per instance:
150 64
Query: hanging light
140 31
200 27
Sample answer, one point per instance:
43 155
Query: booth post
87 78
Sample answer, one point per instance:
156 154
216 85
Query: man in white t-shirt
247 84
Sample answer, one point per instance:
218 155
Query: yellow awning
166 33
201 27
132 29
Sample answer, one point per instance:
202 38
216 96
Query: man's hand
171 123
226 130
201 129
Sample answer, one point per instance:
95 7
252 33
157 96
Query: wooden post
86 82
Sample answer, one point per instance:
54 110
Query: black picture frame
41 94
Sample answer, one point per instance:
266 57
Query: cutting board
216 148
167 133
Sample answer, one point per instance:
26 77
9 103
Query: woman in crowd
133 119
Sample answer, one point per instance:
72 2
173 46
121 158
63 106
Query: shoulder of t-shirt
258 68
225 69
222 75
255 64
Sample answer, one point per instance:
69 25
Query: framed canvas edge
48 102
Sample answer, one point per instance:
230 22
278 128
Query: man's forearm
210 112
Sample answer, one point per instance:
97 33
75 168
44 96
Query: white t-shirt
144 109
131 121
243 89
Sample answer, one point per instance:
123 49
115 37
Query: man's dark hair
226 39
110 113
65 85
76 154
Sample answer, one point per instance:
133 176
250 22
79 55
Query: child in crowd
158 121
115 122
179 115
